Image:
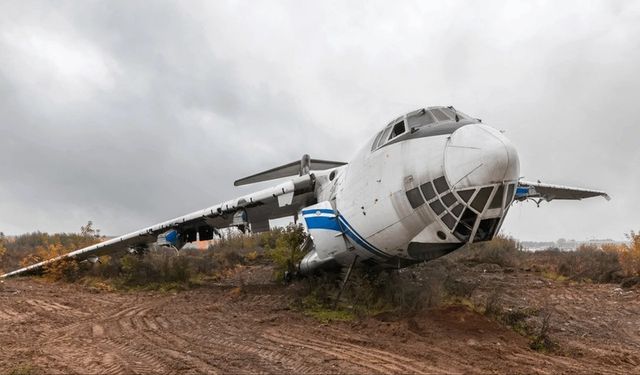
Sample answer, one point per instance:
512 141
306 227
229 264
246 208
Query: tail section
295 168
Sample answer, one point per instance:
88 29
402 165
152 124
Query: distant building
564 244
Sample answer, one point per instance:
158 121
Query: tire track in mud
230 325
236 347
113 332
54 307
228 336
373 359
174 347
8 314
218 330
122 332
228 344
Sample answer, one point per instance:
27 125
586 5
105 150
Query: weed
251 257
493 306
502 251
541 342
325 315
24 369
587 263
553 276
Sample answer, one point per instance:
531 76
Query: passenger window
397 130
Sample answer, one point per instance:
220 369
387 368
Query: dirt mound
245 325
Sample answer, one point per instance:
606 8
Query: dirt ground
62 328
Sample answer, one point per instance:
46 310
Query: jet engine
170 238
326 236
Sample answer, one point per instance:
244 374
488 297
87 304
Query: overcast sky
132 112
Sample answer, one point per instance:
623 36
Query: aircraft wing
253 210
548 192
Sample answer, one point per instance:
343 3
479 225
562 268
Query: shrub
3 250
154 268
502 251
287 252
493 304
227 259
24 369
64 270
628 254
541 342
371 292
586 263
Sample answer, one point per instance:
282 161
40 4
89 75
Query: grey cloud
162 107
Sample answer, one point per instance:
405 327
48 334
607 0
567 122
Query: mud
246 325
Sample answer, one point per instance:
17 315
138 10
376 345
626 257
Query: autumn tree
630 255
3 249
87 230
40 247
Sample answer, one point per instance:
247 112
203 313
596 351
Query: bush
3 249
154 268
30 248
628 254
541 342
287 252
62 270
587 263
371 293
502 251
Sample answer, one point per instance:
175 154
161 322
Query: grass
326 315
24 369
118 285
551 275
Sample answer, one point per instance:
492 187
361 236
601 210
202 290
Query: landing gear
288 277
344 282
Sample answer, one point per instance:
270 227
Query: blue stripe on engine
322 222
320 210
339 224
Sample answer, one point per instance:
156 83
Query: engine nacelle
170 238
324 228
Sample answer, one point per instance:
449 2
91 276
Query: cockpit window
377 140
420 118
440 115
452 113
398 129
389 133
385 136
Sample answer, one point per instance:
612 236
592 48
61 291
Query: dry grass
587 263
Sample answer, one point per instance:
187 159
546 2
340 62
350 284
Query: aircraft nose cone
478 155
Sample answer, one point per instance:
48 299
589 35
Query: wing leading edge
549 192
285 199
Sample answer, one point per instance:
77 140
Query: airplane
426 184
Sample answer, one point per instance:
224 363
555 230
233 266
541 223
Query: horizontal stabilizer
295 168
548 192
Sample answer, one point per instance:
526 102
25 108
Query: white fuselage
397 204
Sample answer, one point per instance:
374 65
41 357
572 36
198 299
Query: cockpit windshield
431 117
